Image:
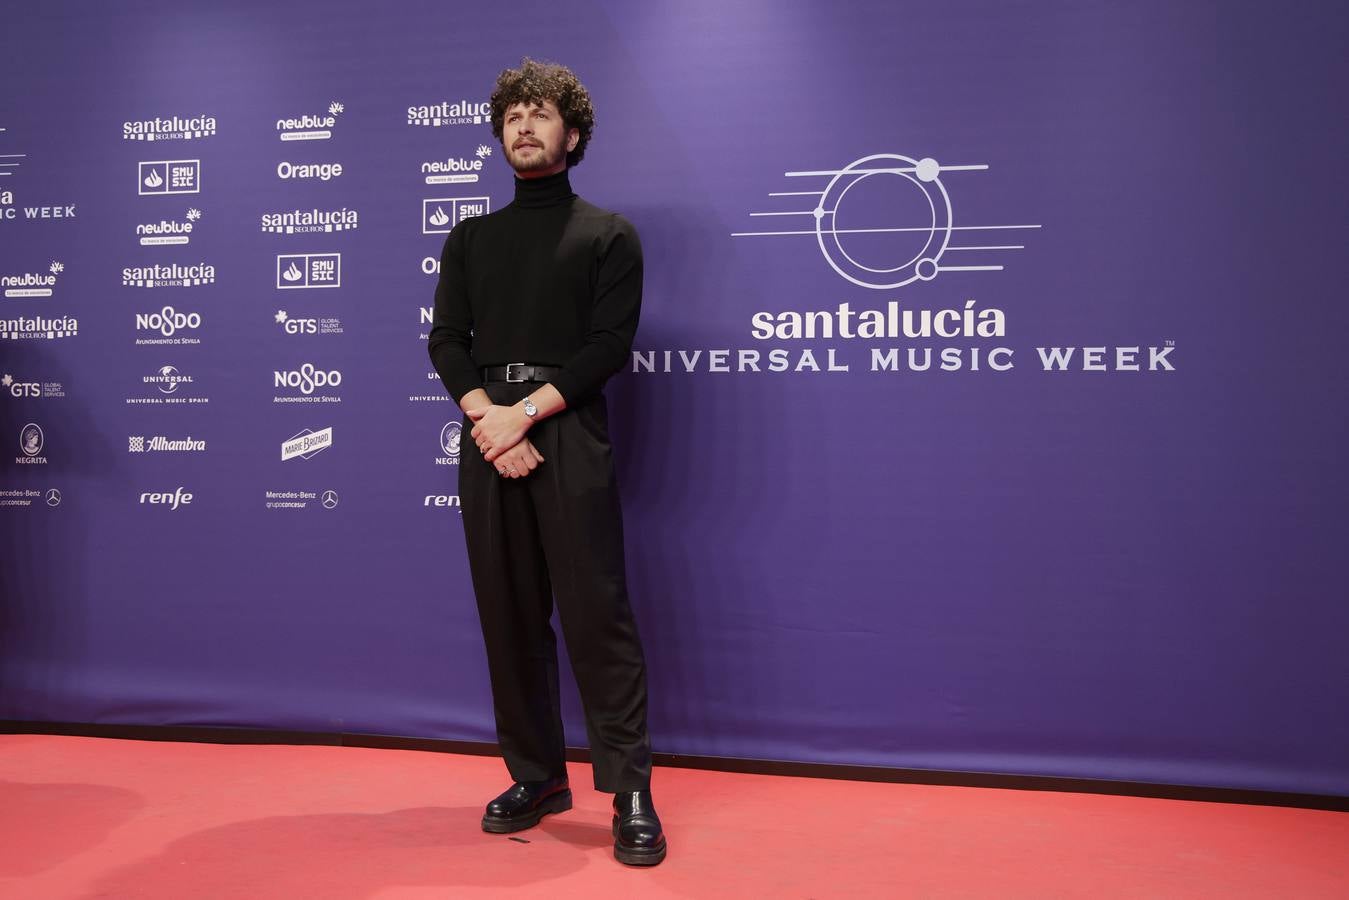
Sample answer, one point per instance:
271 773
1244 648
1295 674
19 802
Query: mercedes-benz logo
329 499
53 497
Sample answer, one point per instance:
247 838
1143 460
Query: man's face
536 140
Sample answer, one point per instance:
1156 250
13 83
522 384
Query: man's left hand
498 428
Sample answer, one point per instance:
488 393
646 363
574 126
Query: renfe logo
169 176
178 498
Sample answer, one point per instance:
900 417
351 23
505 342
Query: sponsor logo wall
929 338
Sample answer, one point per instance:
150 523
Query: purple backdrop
1126 569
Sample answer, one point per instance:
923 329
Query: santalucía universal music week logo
173 128
169 231
886 222
31 285
310 126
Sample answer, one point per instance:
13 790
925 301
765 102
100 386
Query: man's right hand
518 461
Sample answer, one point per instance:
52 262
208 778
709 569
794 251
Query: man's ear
573 138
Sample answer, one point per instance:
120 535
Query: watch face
530 409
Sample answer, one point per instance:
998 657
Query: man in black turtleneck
535 309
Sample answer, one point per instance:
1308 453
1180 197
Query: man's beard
540 159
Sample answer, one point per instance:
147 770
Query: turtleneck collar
550 190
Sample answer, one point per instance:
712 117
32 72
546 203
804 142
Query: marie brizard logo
885 221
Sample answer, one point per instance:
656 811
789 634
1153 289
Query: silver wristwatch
530 409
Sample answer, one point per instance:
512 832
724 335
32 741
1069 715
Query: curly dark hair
535 82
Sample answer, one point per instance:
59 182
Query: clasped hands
499 433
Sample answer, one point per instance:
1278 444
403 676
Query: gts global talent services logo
37 390
31 285
310 127
173 128
313 325
456 169
169 176
166 232
168 275
460 112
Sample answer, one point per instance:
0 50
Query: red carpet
86 817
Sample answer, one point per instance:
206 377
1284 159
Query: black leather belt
517 372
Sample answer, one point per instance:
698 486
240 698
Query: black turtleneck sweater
548 280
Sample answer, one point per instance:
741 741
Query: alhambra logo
310 126
170 129
168 275
310 221
166 231
459 112
31 285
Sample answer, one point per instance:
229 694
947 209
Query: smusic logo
170 129
308 270
435 219
173 176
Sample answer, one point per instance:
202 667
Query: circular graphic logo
30 439
168 379
450 438
884 220
53 497
329 499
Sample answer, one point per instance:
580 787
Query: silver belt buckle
511 380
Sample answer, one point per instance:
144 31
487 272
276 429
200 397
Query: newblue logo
30 285
456 169
165 232
310 127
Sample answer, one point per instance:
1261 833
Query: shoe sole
556 803
638 856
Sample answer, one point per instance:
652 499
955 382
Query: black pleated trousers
557 533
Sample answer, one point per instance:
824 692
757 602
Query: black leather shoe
638 839
525 804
